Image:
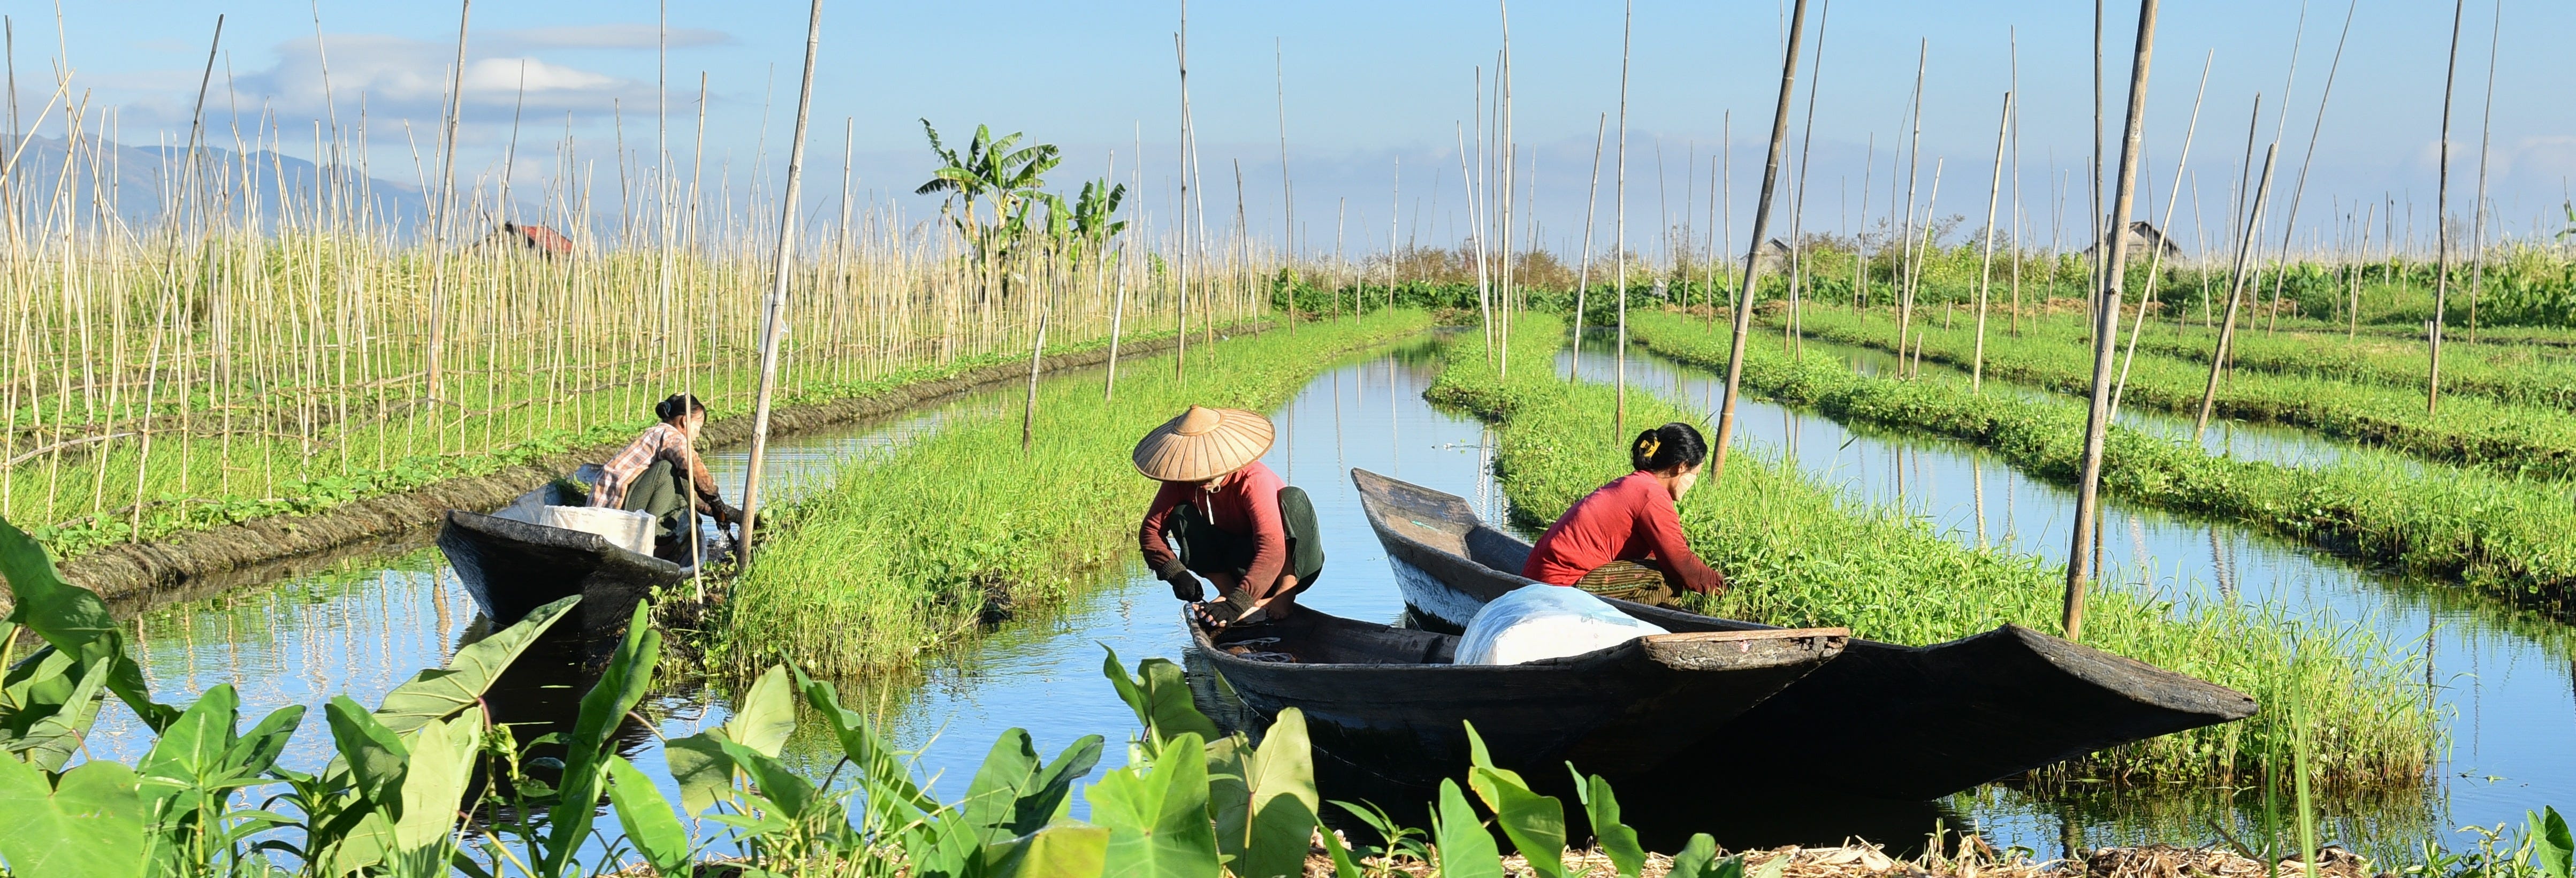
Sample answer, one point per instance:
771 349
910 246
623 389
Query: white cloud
407 78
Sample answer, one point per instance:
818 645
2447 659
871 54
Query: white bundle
629 530
1543 621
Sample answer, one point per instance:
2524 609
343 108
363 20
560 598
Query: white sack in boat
630 530
1537 622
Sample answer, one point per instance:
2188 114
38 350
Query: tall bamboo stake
2105 326
1986 263
1181 305
2155 265
775 327
442 225
1619 221
2235 291
1761 226
2442 221
1914 165
1794 327
2486 128
1583 274
2298 190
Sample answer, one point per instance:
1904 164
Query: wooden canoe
512 565
1910 722
1388 701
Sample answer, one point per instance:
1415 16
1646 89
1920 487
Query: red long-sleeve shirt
1629 519
1247 504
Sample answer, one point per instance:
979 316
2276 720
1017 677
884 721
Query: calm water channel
370 622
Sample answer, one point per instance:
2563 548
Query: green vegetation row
2470 431
915 549
2504 536
1799 555
210 798
2521 374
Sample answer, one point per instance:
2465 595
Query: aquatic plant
2505 537
1800 554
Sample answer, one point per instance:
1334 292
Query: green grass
2509 537
2473 431
1801 554
920 547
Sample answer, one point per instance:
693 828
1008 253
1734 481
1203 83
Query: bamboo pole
2235 291
1794 328
1619 221
1761 227
2106 324
1986 263
2298 190
442 226
2486 129
1914 165
1583 274
1181 302
2155 266
775 328
2442 222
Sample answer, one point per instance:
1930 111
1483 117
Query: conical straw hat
1203 443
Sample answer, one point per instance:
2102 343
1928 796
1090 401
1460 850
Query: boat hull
511 565
1907 722
1386 701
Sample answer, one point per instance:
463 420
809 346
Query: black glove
1184 586
725 513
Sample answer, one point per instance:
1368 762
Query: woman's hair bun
1668 446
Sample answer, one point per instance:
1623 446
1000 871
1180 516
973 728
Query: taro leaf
630 672
256 751
1073 851
647 818
766 715
442 761
1466 850
790 793
1534 823
373 753
438 693
70 618
699 766
1008 768
2552 847
192 747
876 761
1698 859
1158 825
1617 839
88 824
1281 777
1160 696
52 738
1052 795
1343 865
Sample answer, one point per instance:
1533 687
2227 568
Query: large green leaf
374 755
788 791
1698 859
442 762
1466 850
1617 839
766 715
647 818
1160 696
89 824
1011 766
1051 796
1073 851
877 762
72 619
1534 823
439 693
699 766
54 731
192 747
2553 849
1157 817
620 688
1283 805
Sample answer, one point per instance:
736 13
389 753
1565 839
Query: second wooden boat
511 564
1908 722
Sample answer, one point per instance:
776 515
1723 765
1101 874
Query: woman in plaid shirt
654 474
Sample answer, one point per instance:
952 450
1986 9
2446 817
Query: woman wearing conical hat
1224 516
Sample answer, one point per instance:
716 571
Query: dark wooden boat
512 565
1388 701
1912 722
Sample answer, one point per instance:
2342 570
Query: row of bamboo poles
268 338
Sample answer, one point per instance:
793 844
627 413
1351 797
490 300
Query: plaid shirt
659 442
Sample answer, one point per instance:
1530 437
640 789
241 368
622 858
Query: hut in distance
2144 240
525 238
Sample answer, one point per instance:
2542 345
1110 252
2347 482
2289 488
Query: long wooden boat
1388 701
1910 722
512 565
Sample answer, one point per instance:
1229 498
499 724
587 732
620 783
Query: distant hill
137 183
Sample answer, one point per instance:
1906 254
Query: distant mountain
137 183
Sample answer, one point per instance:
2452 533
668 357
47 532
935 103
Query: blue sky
1368 85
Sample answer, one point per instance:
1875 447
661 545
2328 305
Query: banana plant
994 170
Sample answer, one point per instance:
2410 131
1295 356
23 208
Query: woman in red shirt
1223 515
1624 539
